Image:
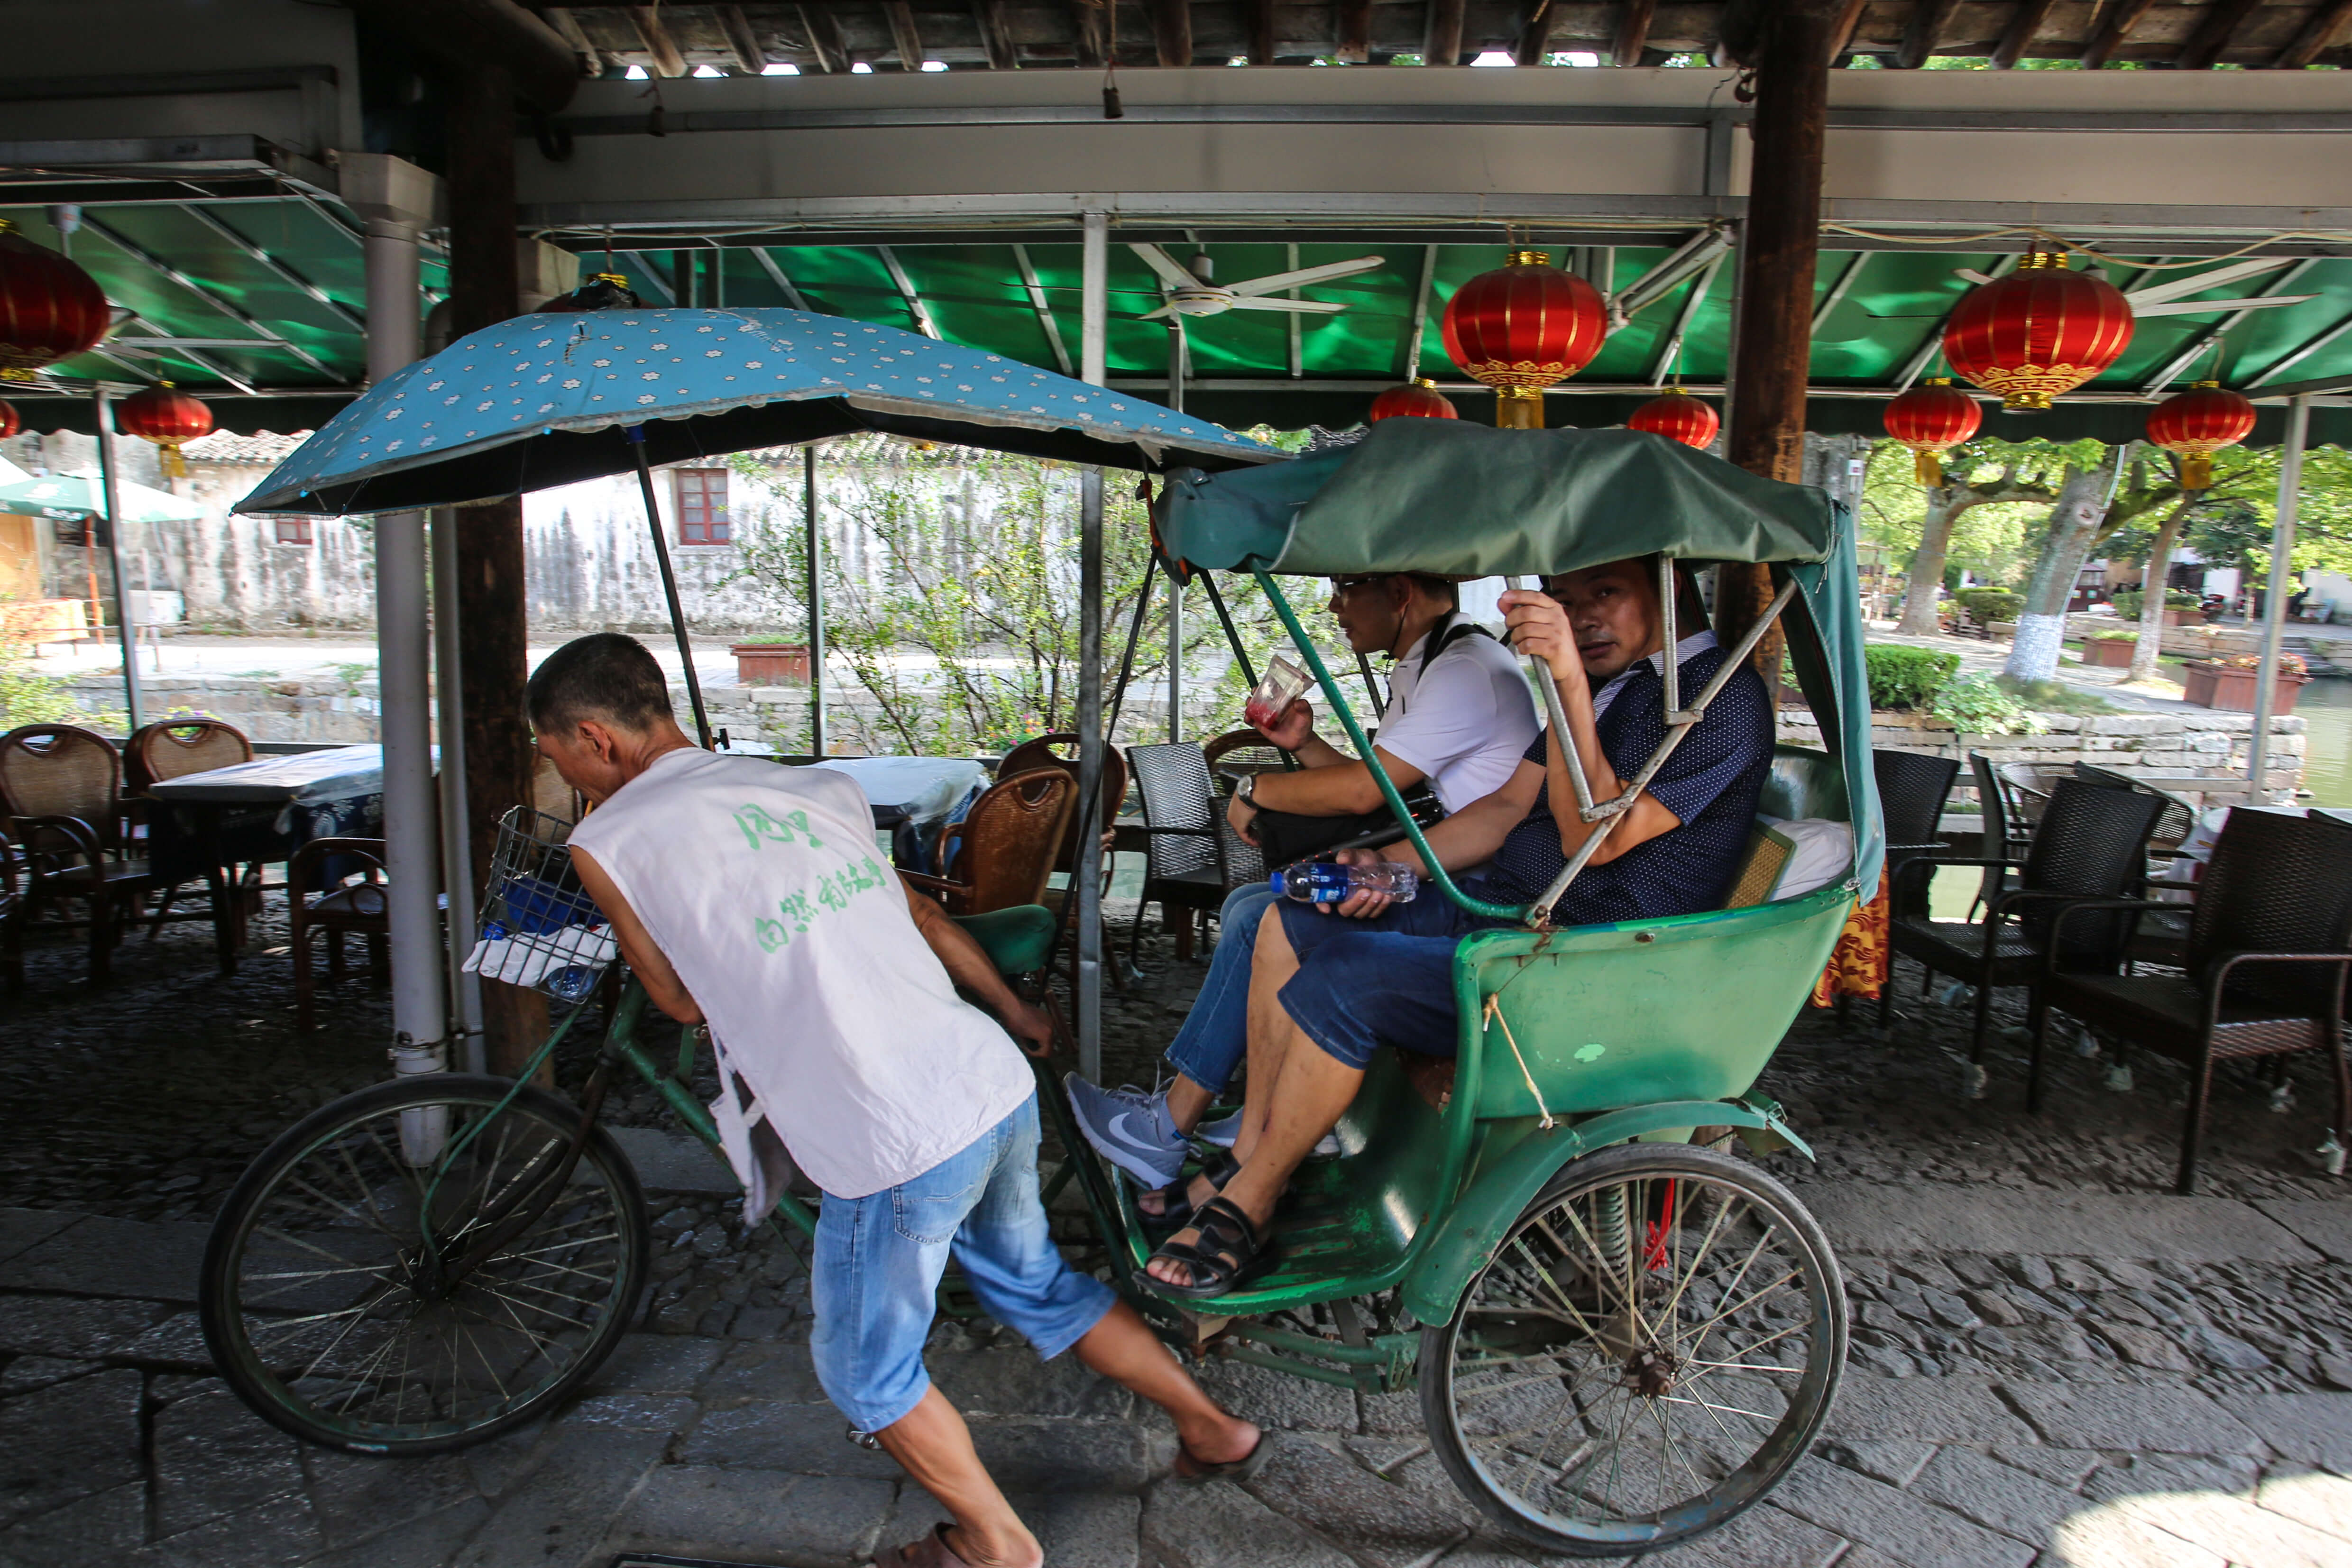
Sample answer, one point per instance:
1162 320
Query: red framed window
702 506
294 531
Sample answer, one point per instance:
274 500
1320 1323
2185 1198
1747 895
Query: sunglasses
1342 584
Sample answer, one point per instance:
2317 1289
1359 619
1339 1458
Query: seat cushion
2166 1013
1017 940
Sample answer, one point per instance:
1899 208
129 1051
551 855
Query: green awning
1453 498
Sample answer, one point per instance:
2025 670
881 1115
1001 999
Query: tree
2093 502
1970 482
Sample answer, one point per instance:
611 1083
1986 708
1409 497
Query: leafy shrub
1976 705
2113 637
2053 697
2288 663
2128 600
1989 604
1906 678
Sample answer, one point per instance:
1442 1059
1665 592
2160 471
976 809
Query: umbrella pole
1134 632
636 434
816 602
123 629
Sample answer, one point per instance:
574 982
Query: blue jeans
878 1261
1215 1035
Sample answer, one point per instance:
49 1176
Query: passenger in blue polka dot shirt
1329 986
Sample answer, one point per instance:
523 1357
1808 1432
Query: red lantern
166 417
1521 327
1417 399
50 309
2197 423
1931 419
10 422
2038 333
1678 416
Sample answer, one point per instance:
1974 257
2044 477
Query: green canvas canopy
1453 498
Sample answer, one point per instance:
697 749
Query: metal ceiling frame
203 291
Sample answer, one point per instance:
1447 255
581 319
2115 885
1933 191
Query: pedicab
1619 1340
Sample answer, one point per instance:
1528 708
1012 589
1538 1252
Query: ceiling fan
1191 291
2165 299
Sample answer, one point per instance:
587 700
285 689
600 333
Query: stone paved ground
2056 1361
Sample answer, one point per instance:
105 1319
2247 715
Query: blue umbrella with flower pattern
560 396
549 399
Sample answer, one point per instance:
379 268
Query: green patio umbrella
73 497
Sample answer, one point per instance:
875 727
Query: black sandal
1228 1253
1176 1198
1190 1467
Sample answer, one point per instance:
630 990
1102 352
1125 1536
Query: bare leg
934 1447
1270 969
1124 1350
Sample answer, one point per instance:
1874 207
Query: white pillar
2290 497
1095 317
384 194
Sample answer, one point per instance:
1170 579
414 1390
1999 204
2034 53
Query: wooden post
484 288
1779 248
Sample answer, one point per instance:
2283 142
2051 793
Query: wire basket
539 927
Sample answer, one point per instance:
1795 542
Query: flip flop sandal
1191 1468
931 1551
1176 1198
1228 1254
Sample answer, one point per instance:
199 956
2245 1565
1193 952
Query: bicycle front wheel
1652 1345
331 1314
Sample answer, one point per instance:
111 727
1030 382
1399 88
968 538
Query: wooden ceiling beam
1929 18
1171 30
750 58
824 39
2024 25
2220 21
661 49
1535 33
995 35
1632 31
2320 32
1258 15
1841 30
1441 45
1354 42
2120 20
904 37
560 18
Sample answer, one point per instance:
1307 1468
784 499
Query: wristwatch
1246 792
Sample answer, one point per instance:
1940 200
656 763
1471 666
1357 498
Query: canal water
2325 706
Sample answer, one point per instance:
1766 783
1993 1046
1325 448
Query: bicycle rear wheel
1655 1342
329 1314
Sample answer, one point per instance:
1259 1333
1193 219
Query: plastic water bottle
571 984
1328 881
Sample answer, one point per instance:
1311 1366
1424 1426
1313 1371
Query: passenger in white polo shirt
1460 715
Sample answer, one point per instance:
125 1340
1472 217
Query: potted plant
2229 684
2110 649
770 661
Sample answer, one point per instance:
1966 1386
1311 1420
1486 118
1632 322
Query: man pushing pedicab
747 896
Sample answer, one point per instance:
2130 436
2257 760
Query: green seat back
1805 783
1604 1017
1017 940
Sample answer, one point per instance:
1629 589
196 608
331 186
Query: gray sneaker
1226 1129
1128 1127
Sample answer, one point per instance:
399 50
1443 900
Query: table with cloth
200 824
912 797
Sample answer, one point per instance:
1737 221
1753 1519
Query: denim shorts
1389 980
879 1258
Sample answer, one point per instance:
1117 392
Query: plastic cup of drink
1268 700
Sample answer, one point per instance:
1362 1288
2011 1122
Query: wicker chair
61 800
1911 789
1061 750
343 907
1185 857
1244 863
1000 854
2090 844
2159 938
173 749
177 747
2269 940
